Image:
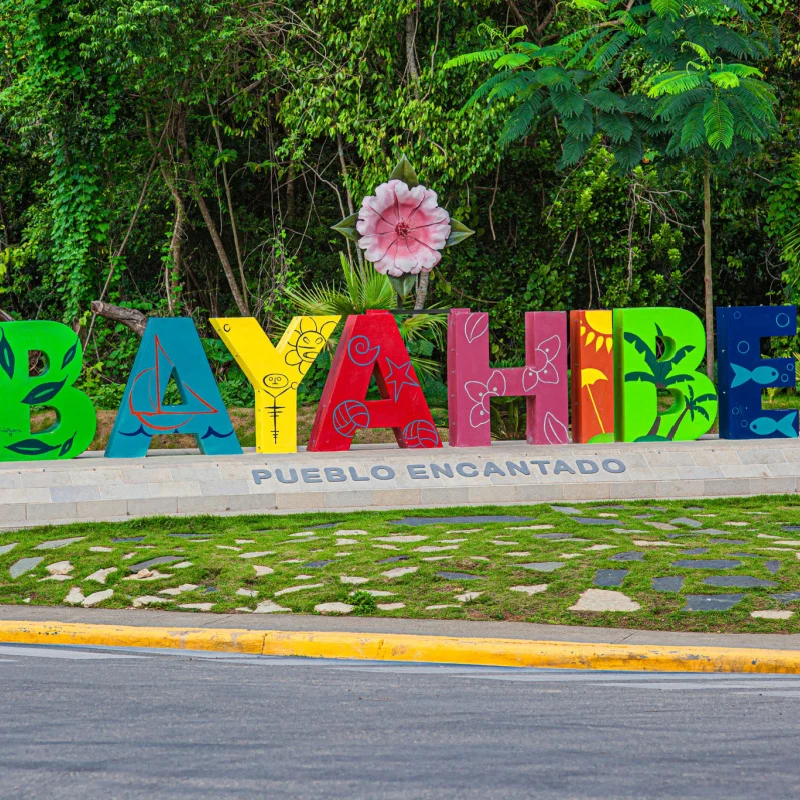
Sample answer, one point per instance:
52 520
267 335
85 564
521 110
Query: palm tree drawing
661 375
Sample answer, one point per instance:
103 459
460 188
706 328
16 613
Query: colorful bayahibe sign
618 361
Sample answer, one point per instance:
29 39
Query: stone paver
694 551
437 549
293 589
711 602
24 565
56 544
393 559
390 606
670 583
604 600
269 607
543 566
97 597
603 547
101 575
399 572
147 575
536 589
100 549
772 614
399 539
176 590
373 592
714 563
786 597
198 606
594 521
687 521
647 543
7 548
247 592
148 600
630 556
261 570
465 597
334 608
662 526
257 554
74 597
610 577
352 579
60 568
460 576
566 509
153 562
317 564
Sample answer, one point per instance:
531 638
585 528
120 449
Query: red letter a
372 343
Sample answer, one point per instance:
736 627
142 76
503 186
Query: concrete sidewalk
416 627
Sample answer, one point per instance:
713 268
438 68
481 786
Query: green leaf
67 446
481 57
458 232
617 126
718 120
693 130
69 356
667 8
43 393
405 172
31 447
605 100
511 60
7 358
347 227
724 80
404 285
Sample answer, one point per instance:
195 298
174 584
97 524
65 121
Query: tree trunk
5 317
674 429
209 220
708 279
172 275
133 319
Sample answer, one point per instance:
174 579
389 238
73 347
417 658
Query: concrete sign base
175 482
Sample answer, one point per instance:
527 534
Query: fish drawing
764 426
762 375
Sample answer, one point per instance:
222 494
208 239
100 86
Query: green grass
223 569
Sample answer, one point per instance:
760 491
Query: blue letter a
171 349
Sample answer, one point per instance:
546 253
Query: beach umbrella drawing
589 377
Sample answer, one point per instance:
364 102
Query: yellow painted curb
401 647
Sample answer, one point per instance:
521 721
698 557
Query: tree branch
130 317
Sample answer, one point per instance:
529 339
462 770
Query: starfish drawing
399 377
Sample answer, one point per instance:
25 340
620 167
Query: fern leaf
480 57
718 121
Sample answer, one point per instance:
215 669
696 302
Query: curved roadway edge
453 643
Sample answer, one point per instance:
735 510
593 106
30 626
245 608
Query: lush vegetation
190 158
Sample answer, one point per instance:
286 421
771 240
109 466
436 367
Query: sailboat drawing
147 390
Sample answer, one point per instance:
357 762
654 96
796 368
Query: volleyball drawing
420 433
349 416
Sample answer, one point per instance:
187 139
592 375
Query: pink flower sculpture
402 230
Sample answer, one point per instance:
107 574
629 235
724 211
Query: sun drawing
306 341
597 329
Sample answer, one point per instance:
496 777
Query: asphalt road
94 723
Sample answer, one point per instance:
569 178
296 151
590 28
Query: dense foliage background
189 158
